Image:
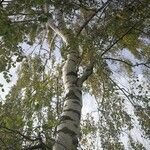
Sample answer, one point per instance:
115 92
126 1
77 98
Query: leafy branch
19 133
39 139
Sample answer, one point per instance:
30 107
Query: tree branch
17 132
132 65
33 147
91 17
88 71
118 39
52 25
24 21
1 2
141 31
24 14
122 90
57 31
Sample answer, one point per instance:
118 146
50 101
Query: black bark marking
71 60
63 118
79 91
73 101
71 73
67 131
75 141
73 82
74 52
75 125
72 95
89 69
74 111
77 102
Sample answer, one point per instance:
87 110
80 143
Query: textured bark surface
68 130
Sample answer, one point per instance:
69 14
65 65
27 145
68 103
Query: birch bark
68 130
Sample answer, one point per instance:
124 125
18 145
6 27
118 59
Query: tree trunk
68 130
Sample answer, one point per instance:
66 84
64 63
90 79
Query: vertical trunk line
69 128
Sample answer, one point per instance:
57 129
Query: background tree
86 36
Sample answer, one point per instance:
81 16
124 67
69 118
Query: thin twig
91 17
128 31
141 31
17 132
121 89
127 63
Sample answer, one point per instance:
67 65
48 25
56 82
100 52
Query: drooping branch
91 17
52 25
38 139
57 30
25 21
38 146
41 145
23 14
127 63
122 90
19 133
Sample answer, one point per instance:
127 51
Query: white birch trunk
68 130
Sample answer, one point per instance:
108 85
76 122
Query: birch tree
89 38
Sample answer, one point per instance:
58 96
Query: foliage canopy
39 34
